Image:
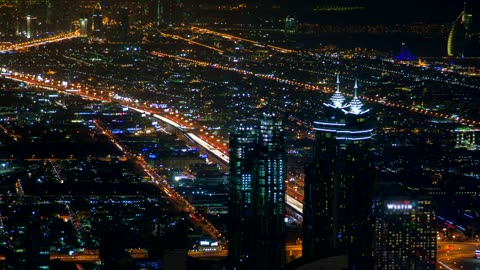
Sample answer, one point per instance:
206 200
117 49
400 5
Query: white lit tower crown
337 100
355 105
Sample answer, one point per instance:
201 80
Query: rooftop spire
356 105
355 88
337 100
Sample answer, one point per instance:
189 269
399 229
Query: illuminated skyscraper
257 202
29 26
462 26
97 21
405 235
269 195
83 27
243 141
338 185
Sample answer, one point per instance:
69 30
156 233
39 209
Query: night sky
387 10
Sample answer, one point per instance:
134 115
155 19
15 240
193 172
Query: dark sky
427 9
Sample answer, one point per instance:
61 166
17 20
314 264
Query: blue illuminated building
405 54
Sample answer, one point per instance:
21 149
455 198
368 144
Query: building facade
257 193
405 235
242 148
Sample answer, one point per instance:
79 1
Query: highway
457 255
37 42
292 202
214 149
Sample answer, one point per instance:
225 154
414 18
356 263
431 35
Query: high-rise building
123 23
30 247
269 194
461 27
29 26
405 235
257 203
243 141
97 22
338 185
83 27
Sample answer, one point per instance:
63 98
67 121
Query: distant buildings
97 22
257 193
30 248
466 138
338 185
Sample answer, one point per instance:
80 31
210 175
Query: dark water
419 46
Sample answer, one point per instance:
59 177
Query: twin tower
336 185
344 216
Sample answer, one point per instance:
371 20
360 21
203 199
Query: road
457 255
37 42
180 202
217 149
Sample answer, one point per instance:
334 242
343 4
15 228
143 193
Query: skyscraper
257 193
405 235
97 21
123 23
461 27
269 194
338 185
83 27
243 141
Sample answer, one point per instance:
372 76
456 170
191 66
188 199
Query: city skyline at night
175 134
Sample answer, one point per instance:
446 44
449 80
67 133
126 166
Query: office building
242 147
405 235
97 22
30 247
257 193
338 185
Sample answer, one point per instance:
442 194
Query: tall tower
338 184
269 194
123 23
29 26
243 141
257 193
467 19
458 31
97 21
83 27
405 234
